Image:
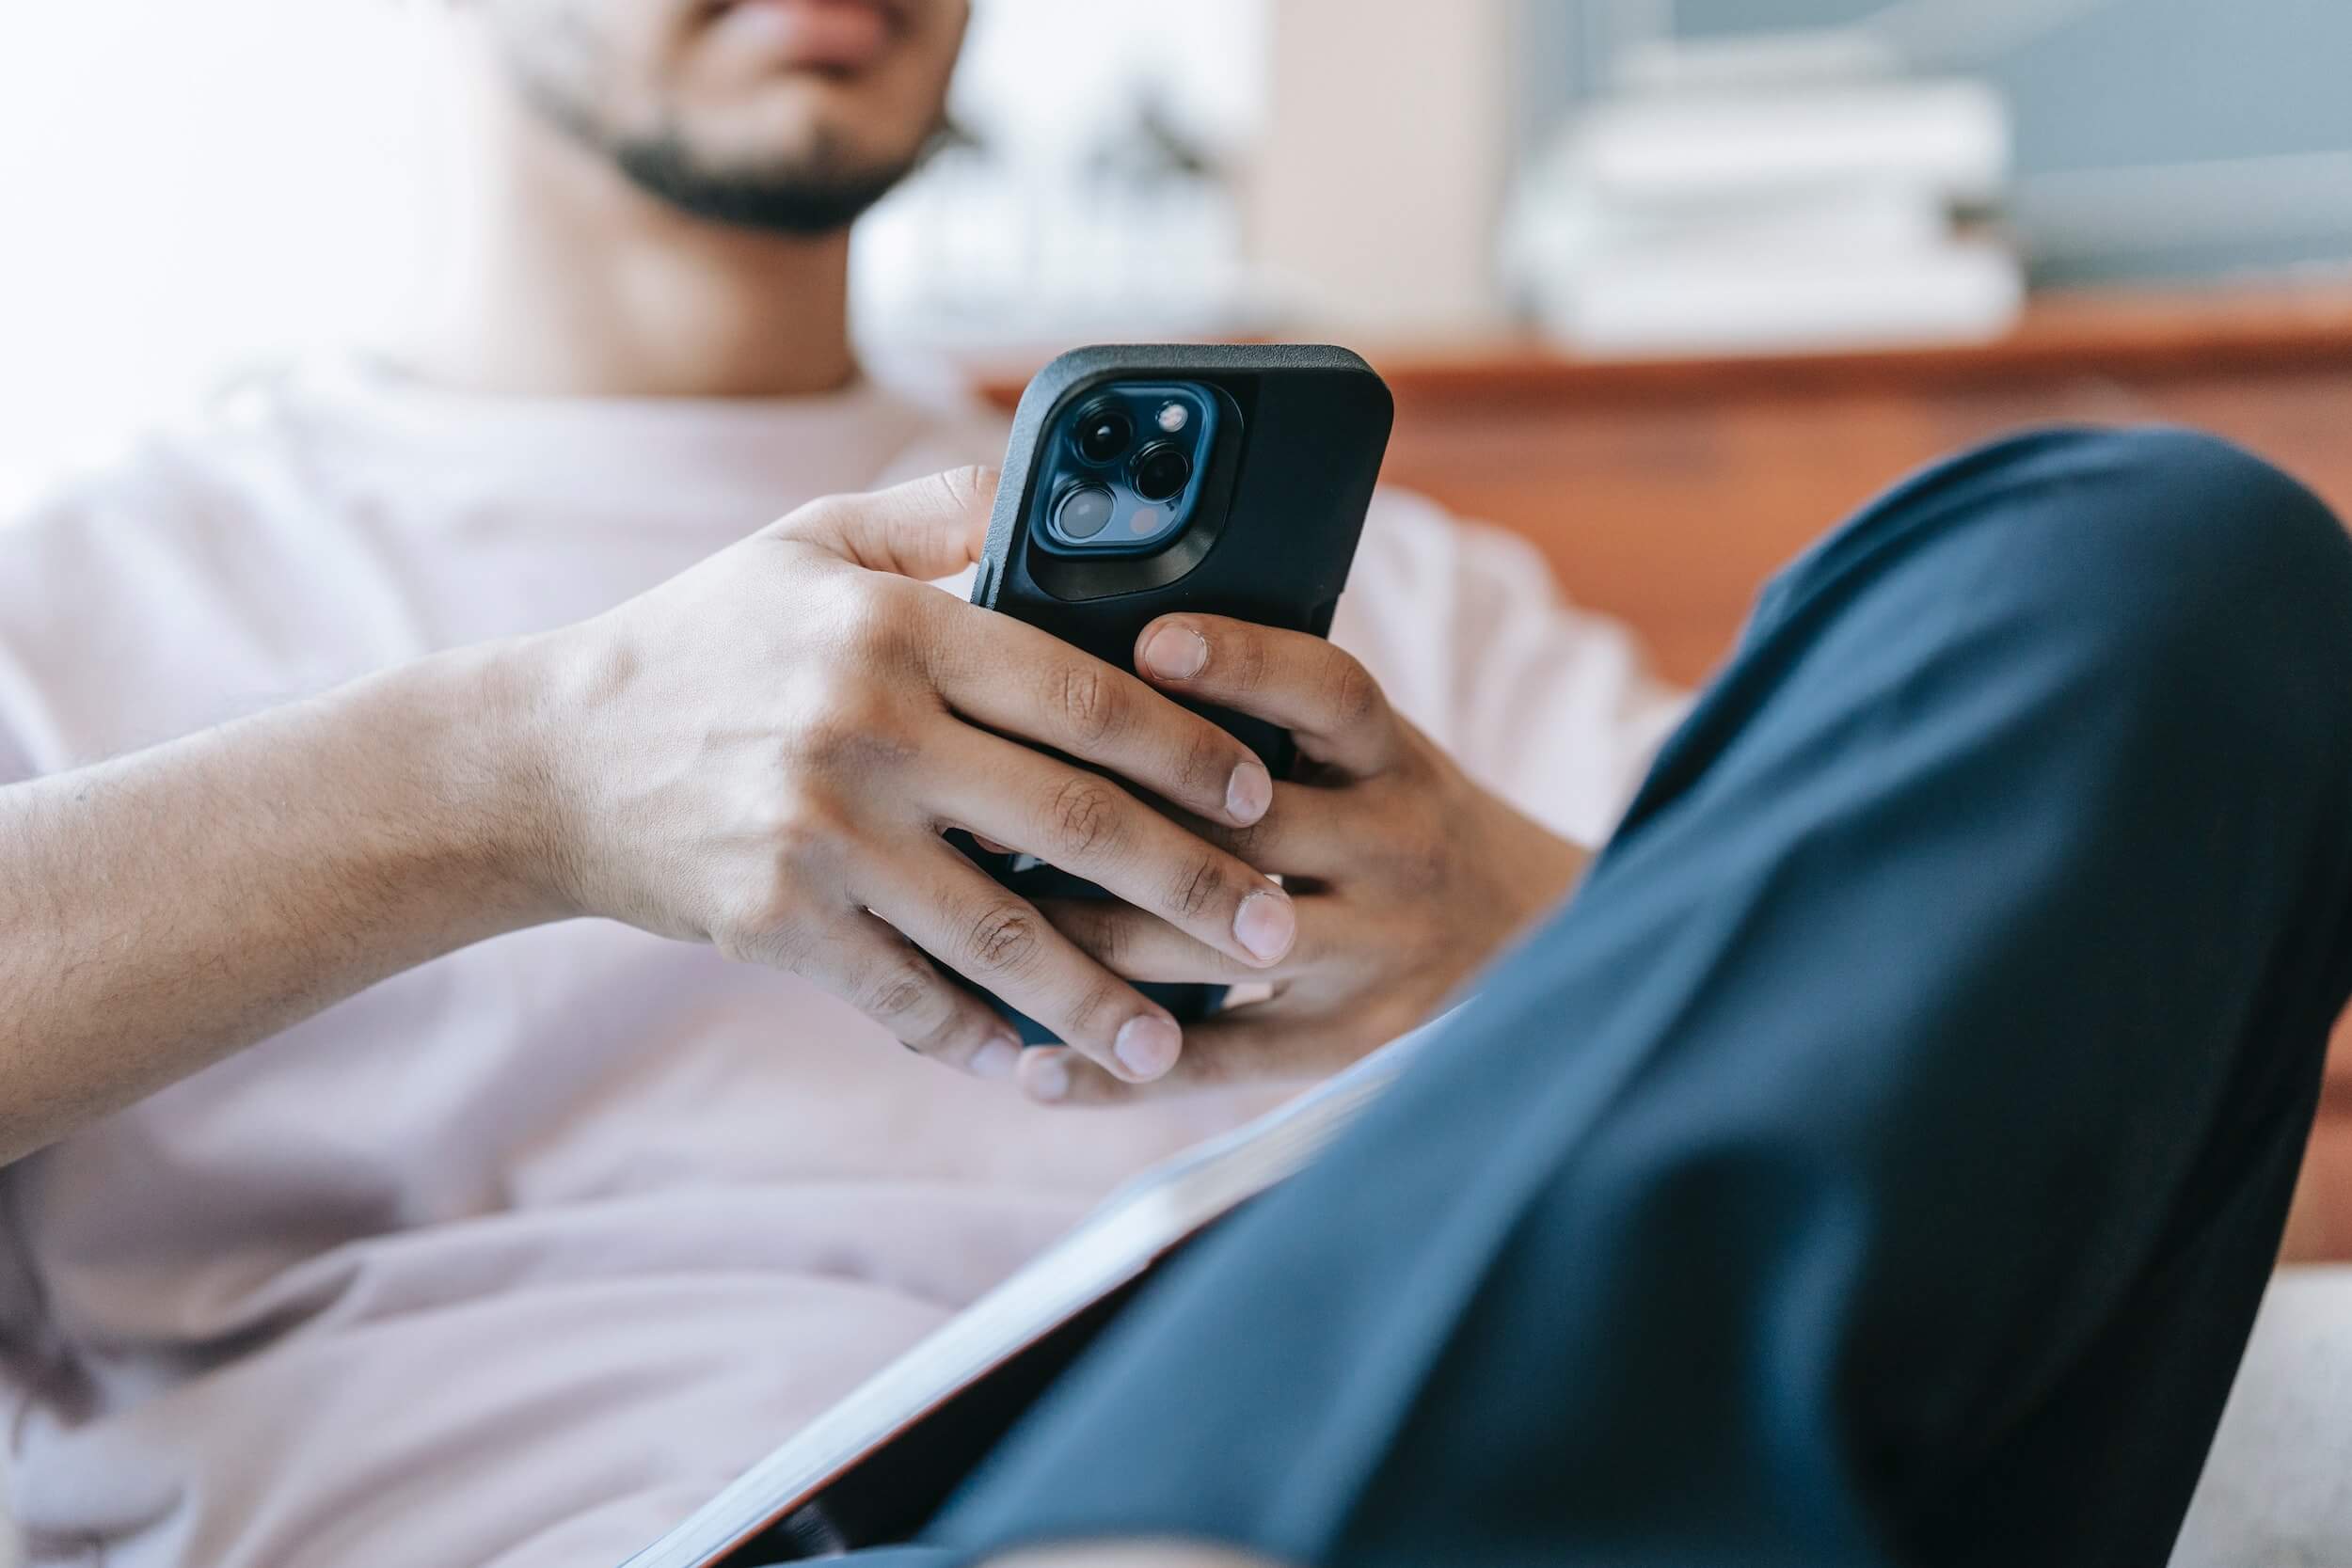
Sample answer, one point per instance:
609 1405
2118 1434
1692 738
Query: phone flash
1173 416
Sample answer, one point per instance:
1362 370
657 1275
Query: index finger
924 529
1324 696
1024 682
1262 1043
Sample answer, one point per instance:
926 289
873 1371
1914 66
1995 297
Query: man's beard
822 193
815 193
561 61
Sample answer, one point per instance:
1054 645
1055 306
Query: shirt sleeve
1552 707
17 687
81 598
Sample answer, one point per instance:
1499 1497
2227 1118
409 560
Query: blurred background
193 184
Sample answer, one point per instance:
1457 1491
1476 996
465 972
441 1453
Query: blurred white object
1874 219
2277 1492
1740 59
1950 137
1965 290
1776 193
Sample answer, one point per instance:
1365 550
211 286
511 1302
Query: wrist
483 723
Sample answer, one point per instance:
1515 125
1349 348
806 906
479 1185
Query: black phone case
1271 542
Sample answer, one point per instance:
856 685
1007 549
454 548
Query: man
525 1251
2031 783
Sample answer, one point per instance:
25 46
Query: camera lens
1162 472
1083 512
1104 433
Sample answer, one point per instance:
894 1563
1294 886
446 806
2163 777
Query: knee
2210 597
2150 535
2171 547
2155 572
2198 508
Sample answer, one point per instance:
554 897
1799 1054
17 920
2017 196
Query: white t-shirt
515 1258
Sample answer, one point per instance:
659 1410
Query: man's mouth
819 35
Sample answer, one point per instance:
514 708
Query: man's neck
563 280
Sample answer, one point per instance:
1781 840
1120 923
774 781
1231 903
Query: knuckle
1004 940
969 488
1106 939
766 926
736 942
1092 927
940 1033
1351 693
1210 757
1253 844
1241 657
879 628
740 946
880 621
1082 815
1199 888
801 834
1088 701
895 994
825 514
967 1030
800 829
1099 1010
849 723
831 726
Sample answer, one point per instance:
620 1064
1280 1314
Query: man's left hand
1406 876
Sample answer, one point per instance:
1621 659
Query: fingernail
1248 792
997 1059
1148 1046
1049 1079
1176 653
1267 925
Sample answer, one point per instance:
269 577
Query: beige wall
1375 194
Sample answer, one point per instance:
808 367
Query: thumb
925 529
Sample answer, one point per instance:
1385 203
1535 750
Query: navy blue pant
1880 1158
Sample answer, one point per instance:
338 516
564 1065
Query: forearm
163 910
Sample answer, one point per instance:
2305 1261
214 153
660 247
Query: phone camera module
1083 512
1103 434
1162 471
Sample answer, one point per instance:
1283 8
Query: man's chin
811 198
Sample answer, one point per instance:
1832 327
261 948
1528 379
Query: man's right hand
764 752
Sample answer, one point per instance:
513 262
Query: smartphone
1231 480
